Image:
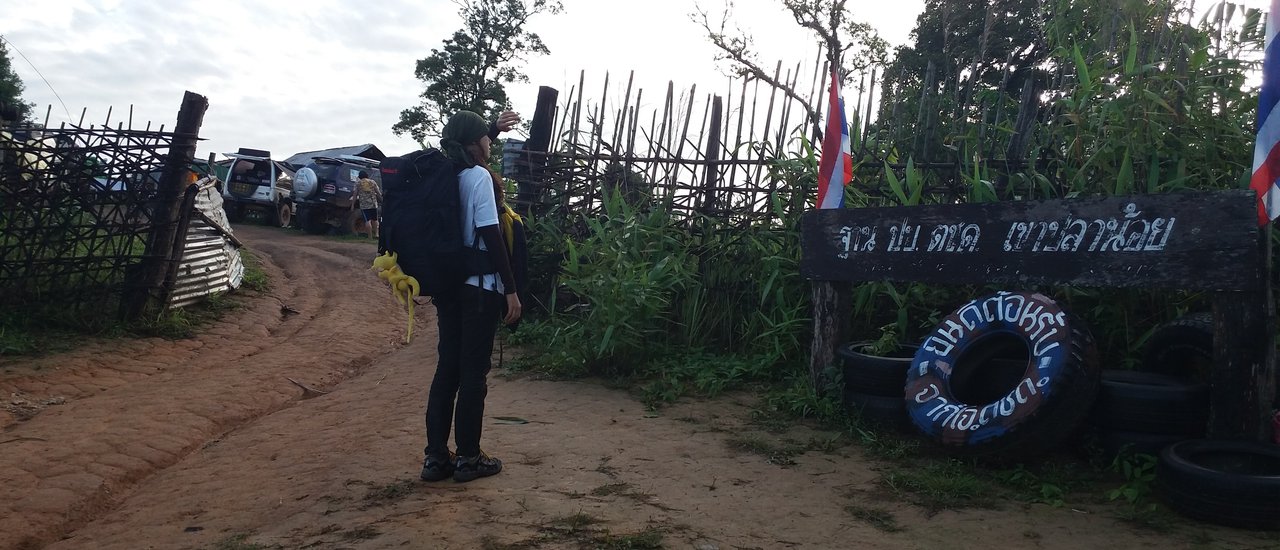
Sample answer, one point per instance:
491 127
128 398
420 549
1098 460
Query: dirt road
205 443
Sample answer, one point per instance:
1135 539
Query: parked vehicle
258 188
323 192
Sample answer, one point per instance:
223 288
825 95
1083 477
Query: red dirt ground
205 443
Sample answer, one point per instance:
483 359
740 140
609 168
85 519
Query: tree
861 47
964 52
1046 98
12 107
972 41
469 70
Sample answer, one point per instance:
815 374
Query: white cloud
297 76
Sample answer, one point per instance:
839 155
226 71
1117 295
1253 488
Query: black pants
467 323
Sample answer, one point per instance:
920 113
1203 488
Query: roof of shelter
368 150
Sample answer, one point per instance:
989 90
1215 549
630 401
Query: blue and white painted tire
1009 375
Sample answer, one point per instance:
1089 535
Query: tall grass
679 301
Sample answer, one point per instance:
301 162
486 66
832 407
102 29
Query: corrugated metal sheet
212 262
368 150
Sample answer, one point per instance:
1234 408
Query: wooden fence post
832 305
179 242
712 157
920 142
1027 112
145 291
1244 379
533 167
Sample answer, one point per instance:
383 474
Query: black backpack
422 222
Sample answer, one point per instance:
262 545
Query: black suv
323 191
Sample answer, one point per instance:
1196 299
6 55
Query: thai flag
835 152
1266 152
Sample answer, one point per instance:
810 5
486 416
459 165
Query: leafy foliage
469 70
1139 471
12 107
1064 98
641 293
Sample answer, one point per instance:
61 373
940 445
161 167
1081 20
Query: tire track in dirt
124 409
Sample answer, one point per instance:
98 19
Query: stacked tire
873 384
1144 412
1168 400
1235 483
1005 377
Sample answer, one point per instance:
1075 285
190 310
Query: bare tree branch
735 48
827 20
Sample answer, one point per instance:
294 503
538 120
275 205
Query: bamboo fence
89 215
725 154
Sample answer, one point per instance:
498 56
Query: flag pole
832 300
1243 389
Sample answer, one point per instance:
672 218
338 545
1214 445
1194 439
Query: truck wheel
355 223
312 221
284 214
235 212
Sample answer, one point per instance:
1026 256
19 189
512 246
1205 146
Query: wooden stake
712 156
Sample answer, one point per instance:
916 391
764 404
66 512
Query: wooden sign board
1202 241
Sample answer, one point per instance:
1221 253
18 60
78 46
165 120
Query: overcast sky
299 76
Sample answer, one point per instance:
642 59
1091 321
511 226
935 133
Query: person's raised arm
506 121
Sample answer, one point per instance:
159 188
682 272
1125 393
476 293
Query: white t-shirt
479 209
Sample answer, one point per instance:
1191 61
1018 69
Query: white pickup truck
258 188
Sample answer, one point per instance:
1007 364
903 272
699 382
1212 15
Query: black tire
1235 483
866 373
989 387
311 220
878 410
1131 401
1182 348
235 212
354 224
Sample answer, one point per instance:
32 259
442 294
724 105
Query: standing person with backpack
467 317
